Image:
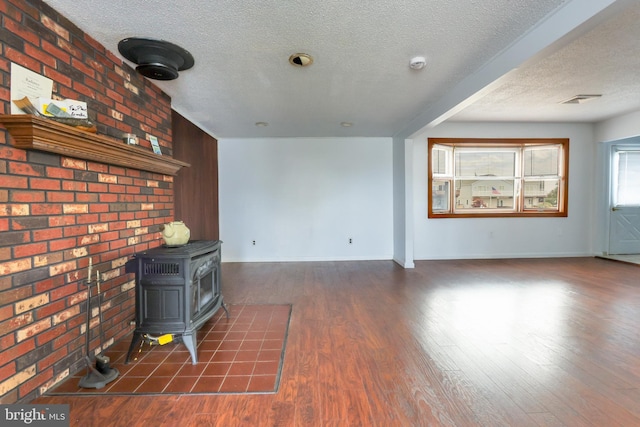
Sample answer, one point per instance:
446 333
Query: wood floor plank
517 342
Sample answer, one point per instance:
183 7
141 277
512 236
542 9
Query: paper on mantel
25 82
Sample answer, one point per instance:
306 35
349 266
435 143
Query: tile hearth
243 354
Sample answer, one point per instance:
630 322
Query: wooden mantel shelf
34 133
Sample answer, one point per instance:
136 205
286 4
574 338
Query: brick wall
57 212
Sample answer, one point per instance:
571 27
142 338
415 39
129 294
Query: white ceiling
491 60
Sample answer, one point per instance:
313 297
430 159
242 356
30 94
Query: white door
624 226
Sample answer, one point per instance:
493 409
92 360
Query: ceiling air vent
580 99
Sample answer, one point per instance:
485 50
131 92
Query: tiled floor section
243 354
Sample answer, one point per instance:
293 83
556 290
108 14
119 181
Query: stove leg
189 341
134 341
225 309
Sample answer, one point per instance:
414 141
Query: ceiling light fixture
300 60
346 124
156 59
417 63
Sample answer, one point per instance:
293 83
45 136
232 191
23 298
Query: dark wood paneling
196 188
450 343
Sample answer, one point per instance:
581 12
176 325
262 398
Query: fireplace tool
101 374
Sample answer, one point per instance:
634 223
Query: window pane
440 195
541 194
628 191
541 161
485 163
484 194
439 163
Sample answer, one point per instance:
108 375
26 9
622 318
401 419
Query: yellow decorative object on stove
175 233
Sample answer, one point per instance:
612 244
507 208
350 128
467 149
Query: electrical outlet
350 240
253 242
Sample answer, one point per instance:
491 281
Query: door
624 225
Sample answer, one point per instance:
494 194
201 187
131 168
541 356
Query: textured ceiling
361 53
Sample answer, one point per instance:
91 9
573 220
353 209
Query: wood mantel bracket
34 133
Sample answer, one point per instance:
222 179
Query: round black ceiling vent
156 59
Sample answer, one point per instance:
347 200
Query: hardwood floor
537 342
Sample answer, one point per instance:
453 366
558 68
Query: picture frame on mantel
155 145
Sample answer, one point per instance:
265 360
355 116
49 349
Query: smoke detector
300 60
417 62
156 59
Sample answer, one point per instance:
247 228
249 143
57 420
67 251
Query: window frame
519 209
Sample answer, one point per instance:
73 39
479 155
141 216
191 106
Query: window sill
34 133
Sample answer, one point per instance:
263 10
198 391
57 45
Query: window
497 177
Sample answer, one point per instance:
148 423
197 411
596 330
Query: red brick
52 283
63 291
26 169
75 231
96 249
38 54
115 188
51 333
27 196
108 217
60 197
97 167
15 323
50 309
88 218
58 221
4 224
5 313
44 184
57 76
117 244
9 181
7 371
84 89
97 187
53 172
29 250
55 51
21 30
16 351
86 198
66 46
67 337
74 186
58 245
35 382
112 235
52 358
49 234
99 208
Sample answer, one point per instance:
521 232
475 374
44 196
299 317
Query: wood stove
177 291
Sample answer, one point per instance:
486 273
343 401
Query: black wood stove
177 291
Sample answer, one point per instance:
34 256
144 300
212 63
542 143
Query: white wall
620 127
301 199
607 132
510 237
